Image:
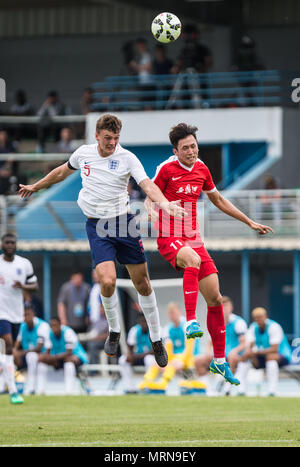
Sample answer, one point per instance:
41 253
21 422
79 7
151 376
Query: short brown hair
109 122
226 299
181 131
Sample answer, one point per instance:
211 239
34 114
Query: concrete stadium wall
287 169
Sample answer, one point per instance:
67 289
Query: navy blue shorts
6 327
261 360
115 239
61 363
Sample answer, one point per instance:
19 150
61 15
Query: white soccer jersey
240 326
274 330
70 338
43 333
11 298
104 180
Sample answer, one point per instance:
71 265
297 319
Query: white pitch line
159 443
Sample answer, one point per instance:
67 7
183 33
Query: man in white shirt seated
268 347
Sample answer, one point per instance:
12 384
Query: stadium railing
280 209
193 90
35 119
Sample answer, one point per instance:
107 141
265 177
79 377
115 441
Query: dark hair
55 318
141 40
28 306
226 299
8 235
181 131
109 122
76 271
52 94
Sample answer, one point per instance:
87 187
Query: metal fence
280 209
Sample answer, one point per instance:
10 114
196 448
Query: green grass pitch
150 421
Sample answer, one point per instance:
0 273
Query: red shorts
169 247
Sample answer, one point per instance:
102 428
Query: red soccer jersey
178 182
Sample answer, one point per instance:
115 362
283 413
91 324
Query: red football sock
216 329
190 291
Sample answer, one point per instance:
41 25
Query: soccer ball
166 27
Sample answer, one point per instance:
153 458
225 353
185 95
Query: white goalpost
166 291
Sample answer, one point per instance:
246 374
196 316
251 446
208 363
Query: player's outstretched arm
228 208
154 193
55 176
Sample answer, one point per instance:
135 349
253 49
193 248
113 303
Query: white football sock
70 374
126 371
2 379
220 361
227 388
149 306
111 307
272 372
9 373
32 361
42 369
241 374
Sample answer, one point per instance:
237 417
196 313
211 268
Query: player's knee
195 262
188 258
108 285
143 286
192 261
215 299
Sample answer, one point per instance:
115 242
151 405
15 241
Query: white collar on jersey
184 166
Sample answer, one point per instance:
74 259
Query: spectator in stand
66 144
21 106
98 331
142 63
128 53
52 107
87 100
246 55
142 66
7 167
193 55
270 203
194 58
162 65
34 302
247 60
73 303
